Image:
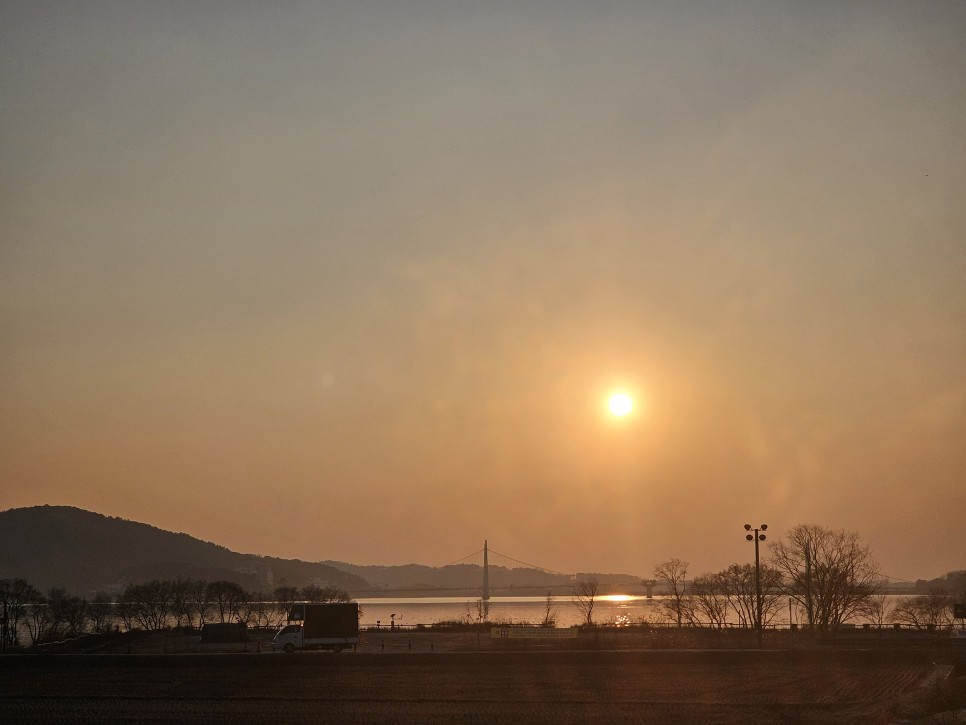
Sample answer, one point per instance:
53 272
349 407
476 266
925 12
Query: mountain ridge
84 551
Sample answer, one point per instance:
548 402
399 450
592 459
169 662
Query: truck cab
288 638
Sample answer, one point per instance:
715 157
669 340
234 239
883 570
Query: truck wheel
290 648
337 648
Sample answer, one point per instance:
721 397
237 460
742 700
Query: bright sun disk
620 404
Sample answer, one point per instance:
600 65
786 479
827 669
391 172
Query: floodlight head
747 527
750 537
764 527
761 537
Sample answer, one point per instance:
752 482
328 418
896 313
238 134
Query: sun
620 404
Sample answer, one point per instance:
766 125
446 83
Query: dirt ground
436 640
452 682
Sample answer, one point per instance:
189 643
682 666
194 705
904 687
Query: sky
355 280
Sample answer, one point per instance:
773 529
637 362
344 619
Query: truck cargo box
327 620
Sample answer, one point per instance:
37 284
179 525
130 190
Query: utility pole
756 537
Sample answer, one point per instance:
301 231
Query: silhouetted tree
934 609
738 585
831 574
877 609
199 601
145 605
482 610
707 601
100 610
66 614
16 595
38 618
124 609
674 574
259 611
226 598
714 598
322 595
584 598
187 598
56 605
285 597
549 613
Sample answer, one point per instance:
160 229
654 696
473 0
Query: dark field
477 687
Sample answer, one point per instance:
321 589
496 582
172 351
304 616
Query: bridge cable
532 566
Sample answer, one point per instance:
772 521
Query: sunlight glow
620 404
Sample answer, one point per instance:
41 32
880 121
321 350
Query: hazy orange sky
353 280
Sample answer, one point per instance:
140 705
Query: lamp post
756 537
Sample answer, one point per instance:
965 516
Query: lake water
612 609
508 610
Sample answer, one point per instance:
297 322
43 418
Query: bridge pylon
486 572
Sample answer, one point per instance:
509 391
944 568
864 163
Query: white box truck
332 626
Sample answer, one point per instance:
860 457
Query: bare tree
259 611
707 601
15 597
56 613
585 595
124 609
100 610
226 598
738 584
482 610
198 604
549 613
673 573
830 573
146 605
38 617
66 613
926 610
185 596
285 597
322 595
877 609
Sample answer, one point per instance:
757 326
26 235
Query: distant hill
417 578
83 552
461 577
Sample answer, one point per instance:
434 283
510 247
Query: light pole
756 537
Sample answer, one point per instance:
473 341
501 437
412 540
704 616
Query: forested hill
82 551
409 579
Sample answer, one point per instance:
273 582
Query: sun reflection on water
617 598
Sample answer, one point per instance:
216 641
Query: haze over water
356 281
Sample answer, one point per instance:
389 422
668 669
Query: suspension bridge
474 574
